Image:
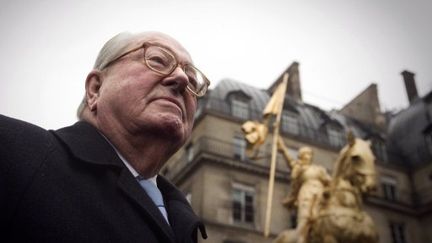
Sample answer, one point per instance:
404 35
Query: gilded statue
308 182
329 209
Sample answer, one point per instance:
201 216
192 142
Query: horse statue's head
356 164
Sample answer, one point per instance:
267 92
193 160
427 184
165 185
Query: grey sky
48 47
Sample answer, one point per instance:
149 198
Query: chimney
410 85
293 88
365 107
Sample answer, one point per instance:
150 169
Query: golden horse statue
329 209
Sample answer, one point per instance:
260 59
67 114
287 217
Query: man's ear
92 86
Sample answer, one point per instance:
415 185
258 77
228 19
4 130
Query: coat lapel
184 221
87 144
133 190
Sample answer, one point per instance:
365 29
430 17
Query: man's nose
177 80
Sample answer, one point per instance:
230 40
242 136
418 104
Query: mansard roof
407 131
309 115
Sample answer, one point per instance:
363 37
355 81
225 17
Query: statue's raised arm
281 146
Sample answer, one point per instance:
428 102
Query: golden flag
275 104
255 135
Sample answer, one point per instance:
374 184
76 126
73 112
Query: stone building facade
229 190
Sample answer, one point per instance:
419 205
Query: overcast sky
47 47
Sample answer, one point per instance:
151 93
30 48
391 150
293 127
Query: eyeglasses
164 62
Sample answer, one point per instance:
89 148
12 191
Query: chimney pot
410 85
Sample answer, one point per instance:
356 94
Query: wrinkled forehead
166 41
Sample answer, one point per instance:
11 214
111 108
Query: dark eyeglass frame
199 93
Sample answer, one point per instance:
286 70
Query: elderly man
97 181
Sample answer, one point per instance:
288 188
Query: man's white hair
112 49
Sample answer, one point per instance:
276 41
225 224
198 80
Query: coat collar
86 143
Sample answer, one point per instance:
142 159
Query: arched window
240 106
240 109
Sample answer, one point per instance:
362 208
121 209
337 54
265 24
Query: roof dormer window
240 105
335 136
290 123
240 108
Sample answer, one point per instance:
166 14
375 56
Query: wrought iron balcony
231 154
228 153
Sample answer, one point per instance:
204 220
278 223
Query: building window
239 147
397 232
240 109
389 187
290 122
335 137
380 150
189 153
293 219
243 204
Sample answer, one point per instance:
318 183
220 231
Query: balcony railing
230 154
223 151
289 127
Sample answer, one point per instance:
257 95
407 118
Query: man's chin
171 125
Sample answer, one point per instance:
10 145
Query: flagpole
273 158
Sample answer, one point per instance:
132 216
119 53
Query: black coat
69 185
